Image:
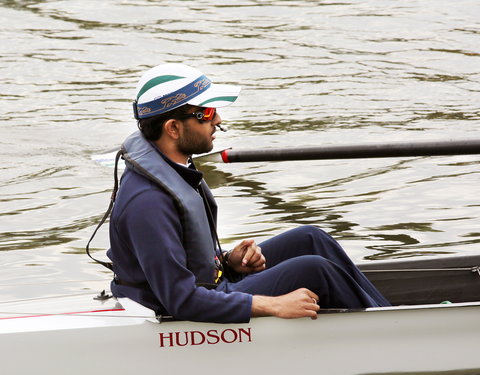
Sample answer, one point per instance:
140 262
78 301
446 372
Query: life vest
141 157
198 242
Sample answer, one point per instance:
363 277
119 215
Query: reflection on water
312 73
399 239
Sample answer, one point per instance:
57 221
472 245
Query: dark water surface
312 72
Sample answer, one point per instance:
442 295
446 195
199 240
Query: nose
217 120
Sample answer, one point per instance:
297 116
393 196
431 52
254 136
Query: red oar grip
224 155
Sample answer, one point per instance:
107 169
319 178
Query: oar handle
404 149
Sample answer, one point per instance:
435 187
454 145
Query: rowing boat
95 334
433 326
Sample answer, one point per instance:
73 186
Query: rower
165 249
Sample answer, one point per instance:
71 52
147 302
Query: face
197 136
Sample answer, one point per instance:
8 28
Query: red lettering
198 333
211 337
213 333
235 336
177 335
247 332
168 336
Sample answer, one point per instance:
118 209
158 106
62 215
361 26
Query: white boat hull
81 335
406 339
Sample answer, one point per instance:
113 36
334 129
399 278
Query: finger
259 262
259 268
255 256
314 311
312 314
250 255
242 245
247 242
311 303
312 295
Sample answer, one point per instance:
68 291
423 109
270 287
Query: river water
312 72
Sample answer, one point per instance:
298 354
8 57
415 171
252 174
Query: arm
151 227
297 304
247 257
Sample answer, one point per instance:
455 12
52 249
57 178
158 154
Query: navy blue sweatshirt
146 249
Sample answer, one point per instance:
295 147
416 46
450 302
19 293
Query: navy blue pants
307 257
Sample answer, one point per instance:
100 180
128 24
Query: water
312 73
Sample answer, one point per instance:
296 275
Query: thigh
320 255
304 240
335 286
281 279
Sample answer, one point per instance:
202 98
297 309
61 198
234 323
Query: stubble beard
191 143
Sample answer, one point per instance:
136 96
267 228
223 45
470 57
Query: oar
358 151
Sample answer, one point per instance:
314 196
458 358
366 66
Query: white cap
169 86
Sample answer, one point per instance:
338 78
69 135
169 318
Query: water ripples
312 73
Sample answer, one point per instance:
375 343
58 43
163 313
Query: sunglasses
205 114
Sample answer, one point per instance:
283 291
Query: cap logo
174 99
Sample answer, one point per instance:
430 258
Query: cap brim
216 96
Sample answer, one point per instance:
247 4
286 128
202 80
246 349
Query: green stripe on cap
156 81
219 99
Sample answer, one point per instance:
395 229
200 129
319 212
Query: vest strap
108 265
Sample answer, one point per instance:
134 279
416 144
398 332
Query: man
164 247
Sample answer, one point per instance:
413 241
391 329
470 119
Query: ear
172 128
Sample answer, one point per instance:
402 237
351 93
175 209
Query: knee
309 264
313 234
309 229
320 242
312 230
310 271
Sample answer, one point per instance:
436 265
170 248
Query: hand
246 257
297 304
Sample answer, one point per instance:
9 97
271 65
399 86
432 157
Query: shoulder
138 194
